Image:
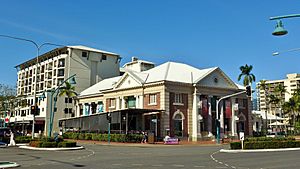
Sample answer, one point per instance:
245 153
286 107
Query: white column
222 126
209 127
122 103
233 122
195 115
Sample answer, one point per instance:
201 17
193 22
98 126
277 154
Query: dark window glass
104 57
84 54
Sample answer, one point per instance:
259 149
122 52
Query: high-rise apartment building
90 66
291 84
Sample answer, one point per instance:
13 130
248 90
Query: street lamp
279 52
279 29
38 47
218 115
52 92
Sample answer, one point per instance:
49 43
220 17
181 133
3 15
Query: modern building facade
172 98
291 83
90 66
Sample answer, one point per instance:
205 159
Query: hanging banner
204 108
227 109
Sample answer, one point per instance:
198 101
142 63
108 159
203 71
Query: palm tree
248 76
68 91
280 90
274 100
290 107
265 87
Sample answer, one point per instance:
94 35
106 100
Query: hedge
129 138
255 139
266 143
46 142
23 139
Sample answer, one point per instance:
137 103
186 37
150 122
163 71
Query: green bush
67 144
131 138
271 145
235 145
35 143
23 139
49 144
256 139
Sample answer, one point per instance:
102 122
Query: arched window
178 118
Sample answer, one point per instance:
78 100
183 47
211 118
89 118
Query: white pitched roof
90 49
169 71
102 85
175 72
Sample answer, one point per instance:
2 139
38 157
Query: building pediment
218 79
127 81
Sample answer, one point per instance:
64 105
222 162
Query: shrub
35 143
271 145
235 145
67 144
49 144
23 139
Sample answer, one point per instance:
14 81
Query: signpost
242 137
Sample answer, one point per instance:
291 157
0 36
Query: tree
68 91
280 90
289 108
262 85
248 76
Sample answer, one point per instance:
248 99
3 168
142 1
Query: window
152 99
61 72
61 63
68 110
104 57
84 54
178 98
68 100
112 103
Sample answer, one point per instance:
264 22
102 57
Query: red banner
228 111
204 108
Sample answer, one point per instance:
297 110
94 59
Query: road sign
242 136
6 120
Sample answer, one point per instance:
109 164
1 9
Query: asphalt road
144 157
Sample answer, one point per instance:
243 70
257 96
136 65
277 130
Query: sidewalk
181 143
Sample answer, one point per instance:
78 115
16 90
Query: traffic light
108 117
248 91
34 109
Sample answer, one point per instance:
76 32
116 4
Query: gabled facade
172 98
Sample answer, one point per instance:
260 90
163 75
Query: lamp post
279 52
52 92
279 29
38 47
217 112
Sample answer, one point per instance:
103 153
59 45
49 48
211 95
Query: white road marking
116 164
137 164
197 166
157 165
178 165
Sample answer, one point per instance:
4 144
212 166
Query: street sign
242 136
6 120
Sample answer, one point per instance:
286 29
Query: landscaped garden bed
51 143
124 138
266 143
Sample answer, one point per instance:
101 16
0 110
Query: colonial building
172 98
88 65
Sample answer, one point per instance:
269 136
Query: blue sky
202 33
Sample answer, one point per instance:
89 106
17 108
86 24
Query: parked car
274 134
4 132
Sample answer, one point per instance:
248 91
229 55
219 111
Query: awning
277 123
